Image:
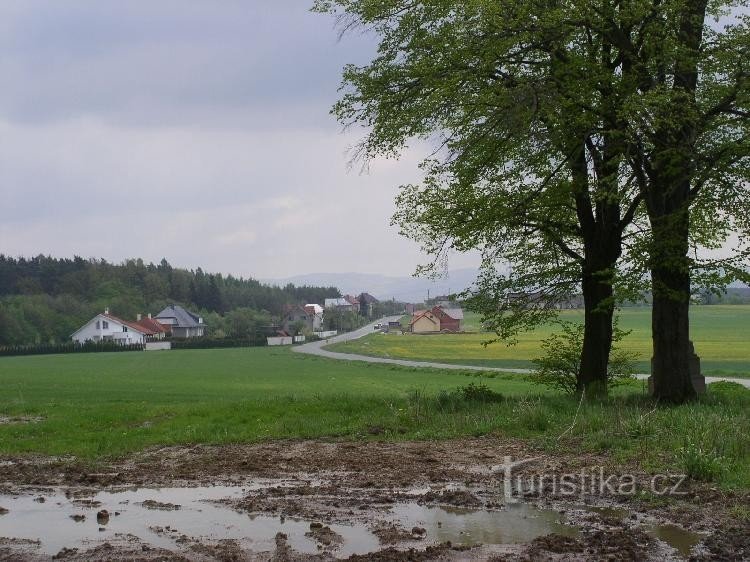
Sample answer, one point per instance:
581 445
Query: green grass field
721 335
107 403
97 406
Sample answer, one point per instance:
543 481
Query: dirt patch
444 551
338 484
5 420
731 544
461 498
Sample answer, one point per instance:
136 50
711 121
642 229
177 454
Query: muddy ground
345 483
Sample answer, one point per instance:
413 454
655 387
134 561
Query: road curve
316 348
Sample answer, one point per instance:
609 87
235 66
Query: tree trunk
670 325
597 335
670 281
668 204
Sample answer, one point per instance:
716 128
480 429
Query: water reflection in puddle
678 538
516 523
202 517
198 517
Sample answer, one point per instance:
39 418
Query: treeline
45 299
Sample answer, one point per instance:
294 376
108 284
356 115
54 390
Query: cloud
196 131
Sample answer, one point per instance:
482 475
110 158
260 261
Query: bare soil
344 482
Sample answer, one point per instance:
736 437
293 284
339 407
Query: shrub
472 393
559 367
479 393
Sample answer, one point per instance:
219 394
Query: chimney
106 310
138 317
149 316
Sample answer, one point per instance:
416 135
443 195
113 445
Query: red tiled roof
152 326
133 325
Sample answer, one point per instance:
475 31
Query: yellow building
424 323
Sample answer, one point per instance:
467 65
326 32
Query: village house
342 304
308 317
152 328
424 322
180 322
437 319
109 328
366 304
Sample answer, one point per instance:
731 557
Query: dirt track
334 486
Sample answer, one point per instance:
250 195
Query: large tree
545 142
687 135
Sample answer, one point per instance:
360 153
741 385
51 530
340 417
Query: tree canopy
44 299
561 132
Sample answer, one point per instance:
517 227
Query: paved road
316 348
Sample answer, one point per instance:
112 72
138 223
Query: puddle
514 524
678 538
197 517
200 516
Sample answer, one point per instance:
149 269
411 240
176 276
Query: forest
44 299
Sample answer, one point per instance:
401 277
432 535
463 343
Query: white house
105 327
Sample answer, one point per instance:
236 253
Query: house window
98 324
105 325
124 328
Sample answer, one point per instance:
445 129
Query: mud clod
153 504
102 517
324 535
460 498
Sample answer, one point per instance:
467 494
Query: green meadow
98 406
721 335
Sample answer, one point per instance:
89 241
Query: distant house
451 319
424 322
309 317
152 328
341 303
334 303
315 314
109 328
437 319
180 322
366 304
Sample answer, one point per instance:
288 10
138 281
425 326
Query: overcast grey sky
194 130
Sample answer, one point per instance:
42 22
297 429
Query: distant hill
405 289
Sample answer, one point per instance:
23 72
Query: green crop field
98 406
104 403
721 335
